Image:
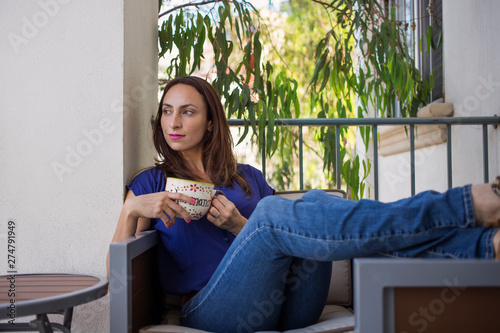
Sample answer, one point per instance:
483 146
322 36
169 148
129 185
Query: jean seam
490 250
367 236
330 242
469 208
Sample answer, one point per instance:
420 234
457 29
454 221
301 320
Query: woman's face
184 119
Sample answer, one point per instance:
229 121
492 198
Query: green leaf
319 66
349 105
257 59
262 126
245 132
429 40
253 120
326 76
270 134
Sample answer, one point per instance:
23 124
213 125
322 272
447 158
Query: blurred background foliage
305 59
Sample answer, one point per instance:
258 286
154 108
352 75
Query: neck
195 163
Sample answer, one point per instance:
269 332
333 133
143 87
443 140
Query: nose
176 120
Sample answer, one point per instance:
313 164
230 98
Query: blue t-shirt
191 252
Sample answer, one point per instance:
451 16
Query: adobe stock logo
428 313
486 88
105 127
32 25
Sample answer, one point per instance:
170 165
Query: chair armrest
131 272
435 295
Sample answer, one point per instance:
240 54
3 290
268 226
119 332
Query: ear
210 126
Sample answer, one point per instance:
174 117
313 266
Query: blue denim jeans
276 274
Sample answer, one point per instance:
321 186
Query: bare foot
486 205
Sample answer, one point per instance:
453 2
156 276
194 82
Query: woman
193 140
224 280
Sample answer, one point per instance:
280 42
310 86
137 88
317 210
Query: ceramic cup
201 192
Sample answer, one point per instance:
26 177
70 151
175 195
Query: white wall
472 70
77 86
471 56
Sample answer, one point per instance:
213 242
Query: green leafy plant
335 59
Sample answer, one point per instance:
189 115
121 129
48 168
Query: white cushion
333 319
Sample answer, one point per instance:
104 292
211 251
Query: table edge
59 302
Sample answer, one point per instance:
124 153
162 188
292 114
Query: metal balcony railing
374 123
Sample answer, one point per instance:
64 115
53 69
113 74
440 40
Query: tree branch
188 5
324 4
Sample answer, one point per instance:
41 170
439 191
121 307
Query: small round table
41 294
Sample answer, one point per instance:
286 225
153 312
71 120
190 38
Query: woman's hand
158 205
138 210
224 214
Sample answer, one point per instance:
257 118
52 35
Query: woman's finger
166 220
218 203
214 211
168 216
176 208
229 219
180 196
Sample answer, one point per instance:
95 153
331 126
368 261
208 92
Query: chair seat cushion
333 319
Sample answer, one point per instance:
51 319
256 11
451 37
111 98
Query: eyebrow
182 106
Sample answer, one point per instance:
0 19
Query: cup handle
219 192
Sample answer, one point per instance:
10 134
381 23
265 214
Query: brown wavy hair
218 158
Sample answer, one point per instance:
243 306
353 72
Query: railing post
486 170
301 158
337 154
412 158
375 159
263 148
448 157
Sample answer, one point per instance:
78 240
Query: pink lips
176 136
